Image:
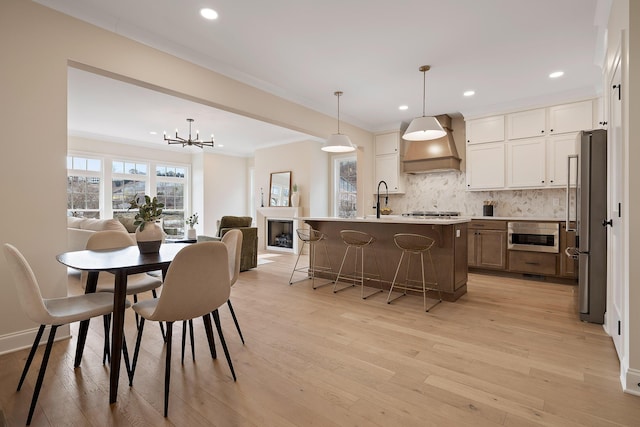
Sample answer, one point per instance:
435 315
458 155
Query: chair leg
193 349
216 319
210 339
233 314
136 351
167 369
164 336
43 368
125 352
335 283
106 355
184 338
135 300
34 347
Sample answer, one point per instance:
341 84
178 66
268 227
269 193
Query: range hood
435 155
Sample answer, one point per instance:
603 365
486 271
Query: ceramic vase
150 238
295 200
191 233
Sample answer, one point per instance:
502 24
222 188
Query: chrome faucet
386 199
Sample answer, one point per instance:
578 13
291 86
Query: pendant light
424 128
338 143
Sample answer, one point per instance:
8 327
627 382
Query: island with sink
449 251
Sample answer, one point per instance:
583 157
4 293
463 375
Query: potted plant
149 234
295 197
191 221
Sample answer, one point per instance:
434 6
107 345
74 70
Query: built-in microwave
533 236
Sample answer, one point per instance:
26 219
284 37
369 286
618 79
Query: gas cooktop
431 214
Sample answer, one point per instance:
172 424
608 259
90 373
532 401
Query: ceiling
304 50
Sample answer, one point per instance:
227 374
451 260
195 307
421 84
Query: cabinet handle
550 130
541 131
551 181
532 263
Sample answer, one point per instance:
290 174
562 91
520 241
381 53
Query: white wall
33 83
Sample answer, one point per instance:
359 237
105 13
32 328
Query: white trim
24 339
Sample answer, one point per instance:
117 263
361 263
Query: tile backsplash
446 191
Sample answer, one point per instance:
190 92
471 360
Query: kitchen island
449 251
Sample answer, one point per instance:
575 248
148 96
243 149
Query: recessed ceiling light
556 74
208 13
153 132
403 107
469 93
220 145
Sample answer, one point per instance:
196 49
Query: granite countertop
393 219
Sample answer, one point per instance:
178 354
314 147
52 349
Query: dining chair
136 283
53 312
233 241
197 283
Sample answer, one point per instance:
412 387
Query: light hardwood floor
511 352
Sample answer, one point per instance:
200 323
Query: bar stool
357 240
415 244
312 238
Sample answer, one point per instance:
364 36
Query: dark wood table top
116 259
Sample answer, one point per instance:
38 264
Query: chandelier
189 141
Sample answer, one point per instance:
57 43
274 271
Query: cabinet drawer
489 224
533 262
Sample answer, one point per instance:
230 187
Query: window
83 186
88 193
170 190
127 180
345 187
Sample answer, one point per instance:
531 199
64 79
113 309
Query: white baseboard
24 339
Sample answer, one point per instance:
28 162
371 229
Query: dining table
121 262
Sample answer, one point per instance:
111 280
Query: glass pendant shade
423 129
338 143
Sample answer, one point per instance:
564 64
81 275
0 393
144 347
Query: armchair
249 251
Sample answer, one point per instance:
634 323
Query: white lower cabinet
526 163
485 166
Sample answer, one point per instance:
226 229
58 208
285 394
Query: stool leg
314 250
335 284
394 281
433 269
295 266
375 259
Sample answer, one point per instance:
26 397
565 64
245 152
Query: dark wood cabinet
487 244
538 263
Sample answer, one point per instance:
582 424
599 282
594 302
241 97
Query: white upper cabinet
387 162
485 166
526 163
488 129
526 124
387 143
559 148
572 117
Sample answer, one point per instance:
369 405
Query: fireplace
280 234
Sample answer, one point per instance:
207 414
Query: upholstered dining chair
196 284
54 312
233 241
136 283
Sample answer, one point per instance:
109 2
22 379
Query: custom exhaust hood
435 155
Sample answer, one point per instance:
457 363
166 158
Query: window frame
335 190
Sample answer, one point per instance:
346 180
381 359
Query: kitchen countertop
516 218
393 219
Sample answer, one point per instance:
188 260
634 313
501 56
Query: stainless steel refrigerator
588 170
